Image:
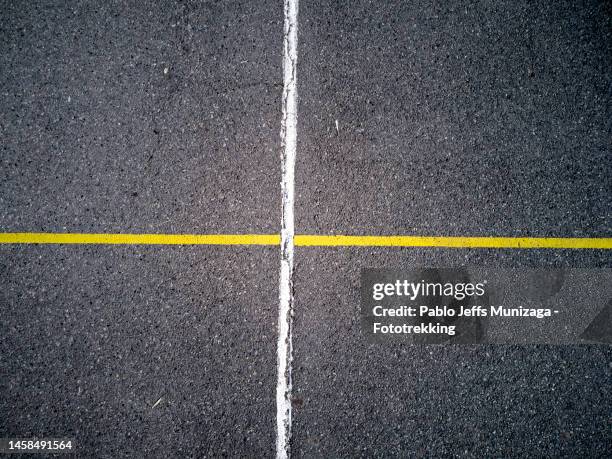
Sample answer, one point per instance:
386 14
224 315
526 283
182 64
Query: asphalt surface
140 116
145 117
356 399
420 118
487 118
140 351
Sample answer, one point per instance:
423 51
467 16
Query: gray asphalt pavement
140 116
479 118
140 351
472 119
486 118
356 399
145 117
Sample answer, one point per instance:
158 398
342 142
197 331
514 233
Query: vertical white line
285 313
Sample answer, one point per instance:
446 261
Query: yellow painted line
304 240
458 242
147 239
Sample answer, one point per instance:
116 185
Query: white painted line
285 311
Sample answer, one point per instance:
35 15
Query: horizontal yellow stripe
161 239
309 240
459 242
